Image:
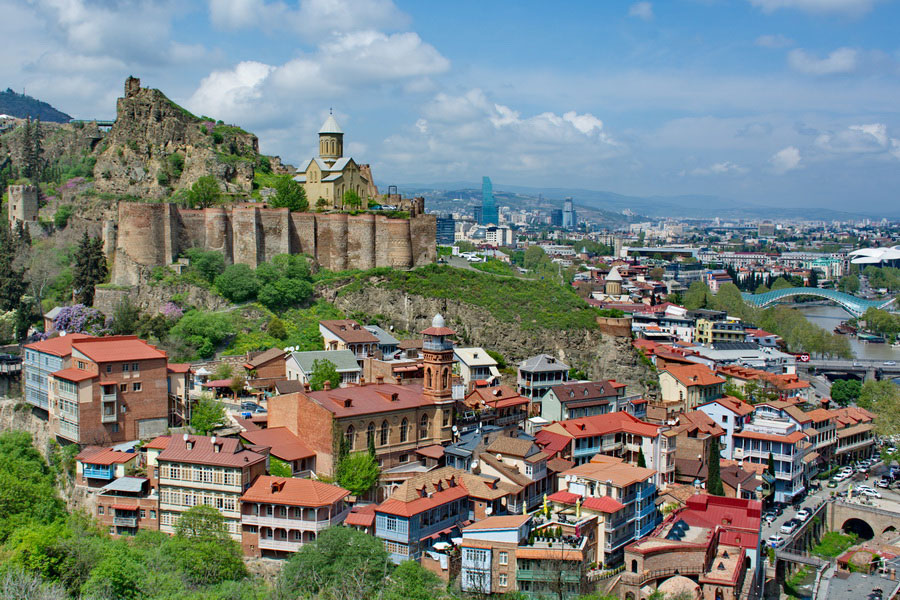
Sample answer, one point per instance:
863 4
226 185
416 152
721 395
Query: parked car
778 508
832 483
870 492
776 541
803 514
884 482
790 526
252 407
769 517
890 363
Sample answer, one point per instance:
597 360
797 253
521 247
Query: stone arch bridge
867 521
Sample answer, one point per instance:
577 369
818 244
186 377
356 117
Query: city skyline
776 102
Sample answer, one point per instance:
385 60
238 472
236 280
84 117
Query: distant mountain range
689 205
22 106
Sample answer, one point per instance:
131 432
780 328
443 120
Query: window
152 514
125 367
100 509
504 557
446 418
135 367
423 427
385 429
109 368
350 435
503 581
81 365
395 548
123 387
370 434
114 428
136 387
404 430
143 513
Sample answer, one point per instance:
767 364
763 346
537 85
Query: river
828 317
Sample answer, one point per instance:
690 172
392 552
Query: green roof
344 360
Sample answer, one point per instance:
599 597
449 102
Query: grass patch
497 267
301 325
834 543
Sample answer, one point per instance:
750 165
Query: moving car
776 540
803 514
769 517
884 482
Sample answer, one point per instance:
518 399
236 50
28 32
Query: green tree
125 316
223 371
61 218
321 204
276 328
90 268
844 391
207 264
201 332
205 192
341 563
642 461
237 384
813 280
780 284
714 478
849 284
280 468
284 293
411 581
12 279
358 473
324 370
883 399
770 465
289 194
238 283
117 577
697 296
351 199
205 551
207 415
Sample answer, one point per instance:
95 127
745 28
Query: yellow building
331 174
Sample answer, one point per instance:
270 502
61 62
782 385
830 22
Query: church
331 174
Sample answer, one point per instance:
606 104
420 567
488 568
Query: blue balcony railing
646 492
92 472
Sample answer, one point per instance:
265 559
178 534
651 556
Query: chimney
327 385
379 379
348 403
306 387
362 381
395 396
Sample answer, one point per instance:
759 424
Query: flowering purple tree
81 319
170 310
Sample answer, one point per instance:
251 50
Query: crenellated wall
154 234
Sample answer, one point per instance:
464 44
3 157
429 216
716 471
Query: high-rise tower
489 214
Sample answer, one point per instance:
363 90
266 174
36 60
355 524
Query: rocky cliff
155 147
601 356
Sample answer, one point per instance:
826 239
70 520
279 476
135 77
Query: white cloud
457 135
720 168
851 7
842 60
786 159
641 10
313 19
865 139
776 40
348 63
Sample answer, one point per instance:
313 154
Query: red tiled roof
361 516
370 399
499 522
73 374
414 507
125 506
605 424
739 407
349 331
435 451
691 375
160 442
94 455
117 348
179 367
564 497
603 504
58 346
791 438
499 396
284 444
293 491
203 452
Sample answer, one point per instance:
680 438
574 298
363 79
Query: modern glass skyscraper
489 215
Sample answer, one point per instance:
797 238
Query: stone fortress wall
23 205
155 234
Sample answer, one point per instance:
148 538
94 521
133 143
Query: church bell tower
331 141
438 352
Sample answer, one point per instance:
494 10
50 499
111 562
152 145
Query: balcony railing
97 472
646 492
547 575
108 417
125 521
283 545
291 523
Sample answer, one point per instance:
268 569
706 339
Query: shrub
238 283
61 218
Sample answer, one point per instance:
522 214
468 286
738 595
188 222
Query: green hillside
21 106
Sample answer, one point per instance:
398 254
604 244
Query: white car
871 493
776 540
803 514
842 476
790 526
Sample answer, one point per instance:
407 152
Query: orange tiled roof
293 491
691 375
117 348
73 374
58 346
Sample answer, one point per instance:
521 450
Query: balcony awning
124 507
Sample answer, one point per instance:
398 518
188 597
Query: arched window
350 435
370 434
634 566
423 427
385 428
446 379
428 378
404 430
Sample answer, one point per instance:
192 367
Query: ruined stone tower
23 205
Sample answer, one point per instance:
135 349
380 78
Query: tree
90 268
116 577
205 551
352 199
289 194
883 399
284 293
237 384
844 391
224 371
276 328
12 279
358 473
642 461
125 316
411 581
813 280
202 332
697 296
207 264
321 204
770 466
780 284
207 415
324 370
238 283
849 284
45 263
714 478
79 318
341 563
205 192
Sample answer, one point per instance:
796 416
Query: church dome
330 126
438 321
614 275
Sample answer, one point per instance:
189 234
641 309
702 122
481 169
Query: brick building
127 505
197 469
43 358
279 515
114 389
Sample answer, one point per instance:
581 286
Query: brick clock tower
438 352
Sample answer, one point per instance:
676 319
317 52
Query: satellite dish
474 463
499 456
489 510
454 429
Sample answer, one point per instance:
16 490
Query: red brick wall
146 504
307 420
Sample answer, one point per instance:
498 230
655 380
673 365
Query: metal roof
125 484
330 126
343 360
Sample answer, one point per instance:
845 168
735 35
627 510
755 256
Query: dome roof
869 256
438 321
330 126
679 584
614 275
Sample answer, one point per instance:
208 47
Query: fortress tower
331 141
23 205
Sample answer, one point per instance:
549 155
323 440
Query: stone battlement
155 234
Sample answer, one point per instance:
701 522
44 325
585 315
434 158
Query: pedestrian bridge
852 304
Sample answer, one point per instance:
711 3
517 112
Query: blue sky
768 101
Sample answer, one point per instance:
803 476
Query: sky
775 102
